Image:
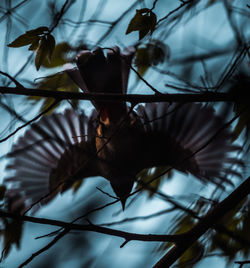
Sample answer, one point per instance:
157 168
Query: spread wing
54 153
190 138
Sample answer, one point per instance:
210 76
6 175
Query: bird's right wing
190 138
55 152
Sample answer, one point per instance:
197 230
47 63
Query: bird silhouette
116 141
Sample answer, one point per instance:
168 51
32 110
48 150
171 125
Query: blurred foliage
39 40
146 175
183 223
11 233
2 191
236 221
144 21
241 88
59 56
57 82
151 54
10 229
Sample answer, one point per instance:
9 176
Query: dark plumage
114 142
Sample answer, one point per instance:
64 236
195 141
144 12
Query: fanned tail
98 73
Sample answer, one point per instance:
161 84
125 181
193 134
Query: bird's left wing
55 152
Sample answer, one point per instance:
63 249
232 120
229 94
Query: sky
204 31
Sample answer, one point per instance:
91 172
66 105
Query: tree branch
205 223
94 228
132 98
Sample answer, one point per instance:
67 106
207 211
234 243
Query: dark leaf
243 121
12 234
23 40
2 191
144 21
28 38
147 175
153 53
240 88
58 57
35 44
191 256
42 52
237 221
51 46
37 31
142 60
60 81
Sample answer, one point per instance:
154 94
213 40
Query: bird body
116 141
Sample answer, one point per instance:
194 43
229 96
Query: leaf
243 121
11 229
240 88
147 175
41 52
35 44
77 185
142 60
153 53
59 56
191 256
58 82
237 221
2 191
45 49
143 21
23 40
28 38
12 234
51 43
38 31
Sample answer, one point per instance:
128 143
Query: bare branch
132 98
207 222
94 228
40 251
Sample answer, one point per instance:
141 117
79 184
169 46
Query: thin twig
40 251
30 121
59 16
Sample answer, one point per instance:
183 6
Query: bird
116 141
